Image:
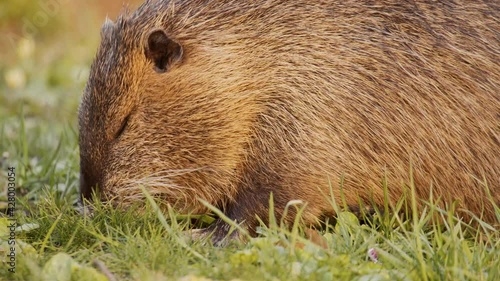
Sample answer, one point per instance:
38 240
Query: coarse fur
295 97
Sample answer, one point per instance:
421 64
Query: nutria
230 101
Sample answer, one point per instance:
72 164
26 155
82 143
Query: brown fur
290 96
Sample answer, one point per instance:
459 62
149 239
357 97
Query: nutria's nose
88 183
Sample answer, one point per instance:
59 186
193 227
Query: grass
40 84
145 248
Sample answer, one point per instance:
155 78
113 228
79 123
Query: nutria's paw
84 210
197 235
219 233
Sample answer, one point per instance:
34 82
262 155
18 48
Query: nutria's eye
122 127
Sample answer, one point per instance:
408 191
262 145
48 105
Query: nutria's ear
162 50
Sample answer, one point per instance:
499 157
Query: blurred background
47 47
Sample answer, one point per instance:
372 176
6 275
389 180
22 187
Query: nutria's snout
88 183
86 190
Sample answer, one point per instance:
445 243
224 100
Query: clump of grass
133 244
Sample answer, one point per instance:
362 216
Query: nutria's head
155 114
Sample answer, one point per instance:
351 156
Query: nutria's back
228 101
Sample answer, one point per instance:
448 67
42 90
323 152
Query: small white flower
372 254
15 78
25 48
